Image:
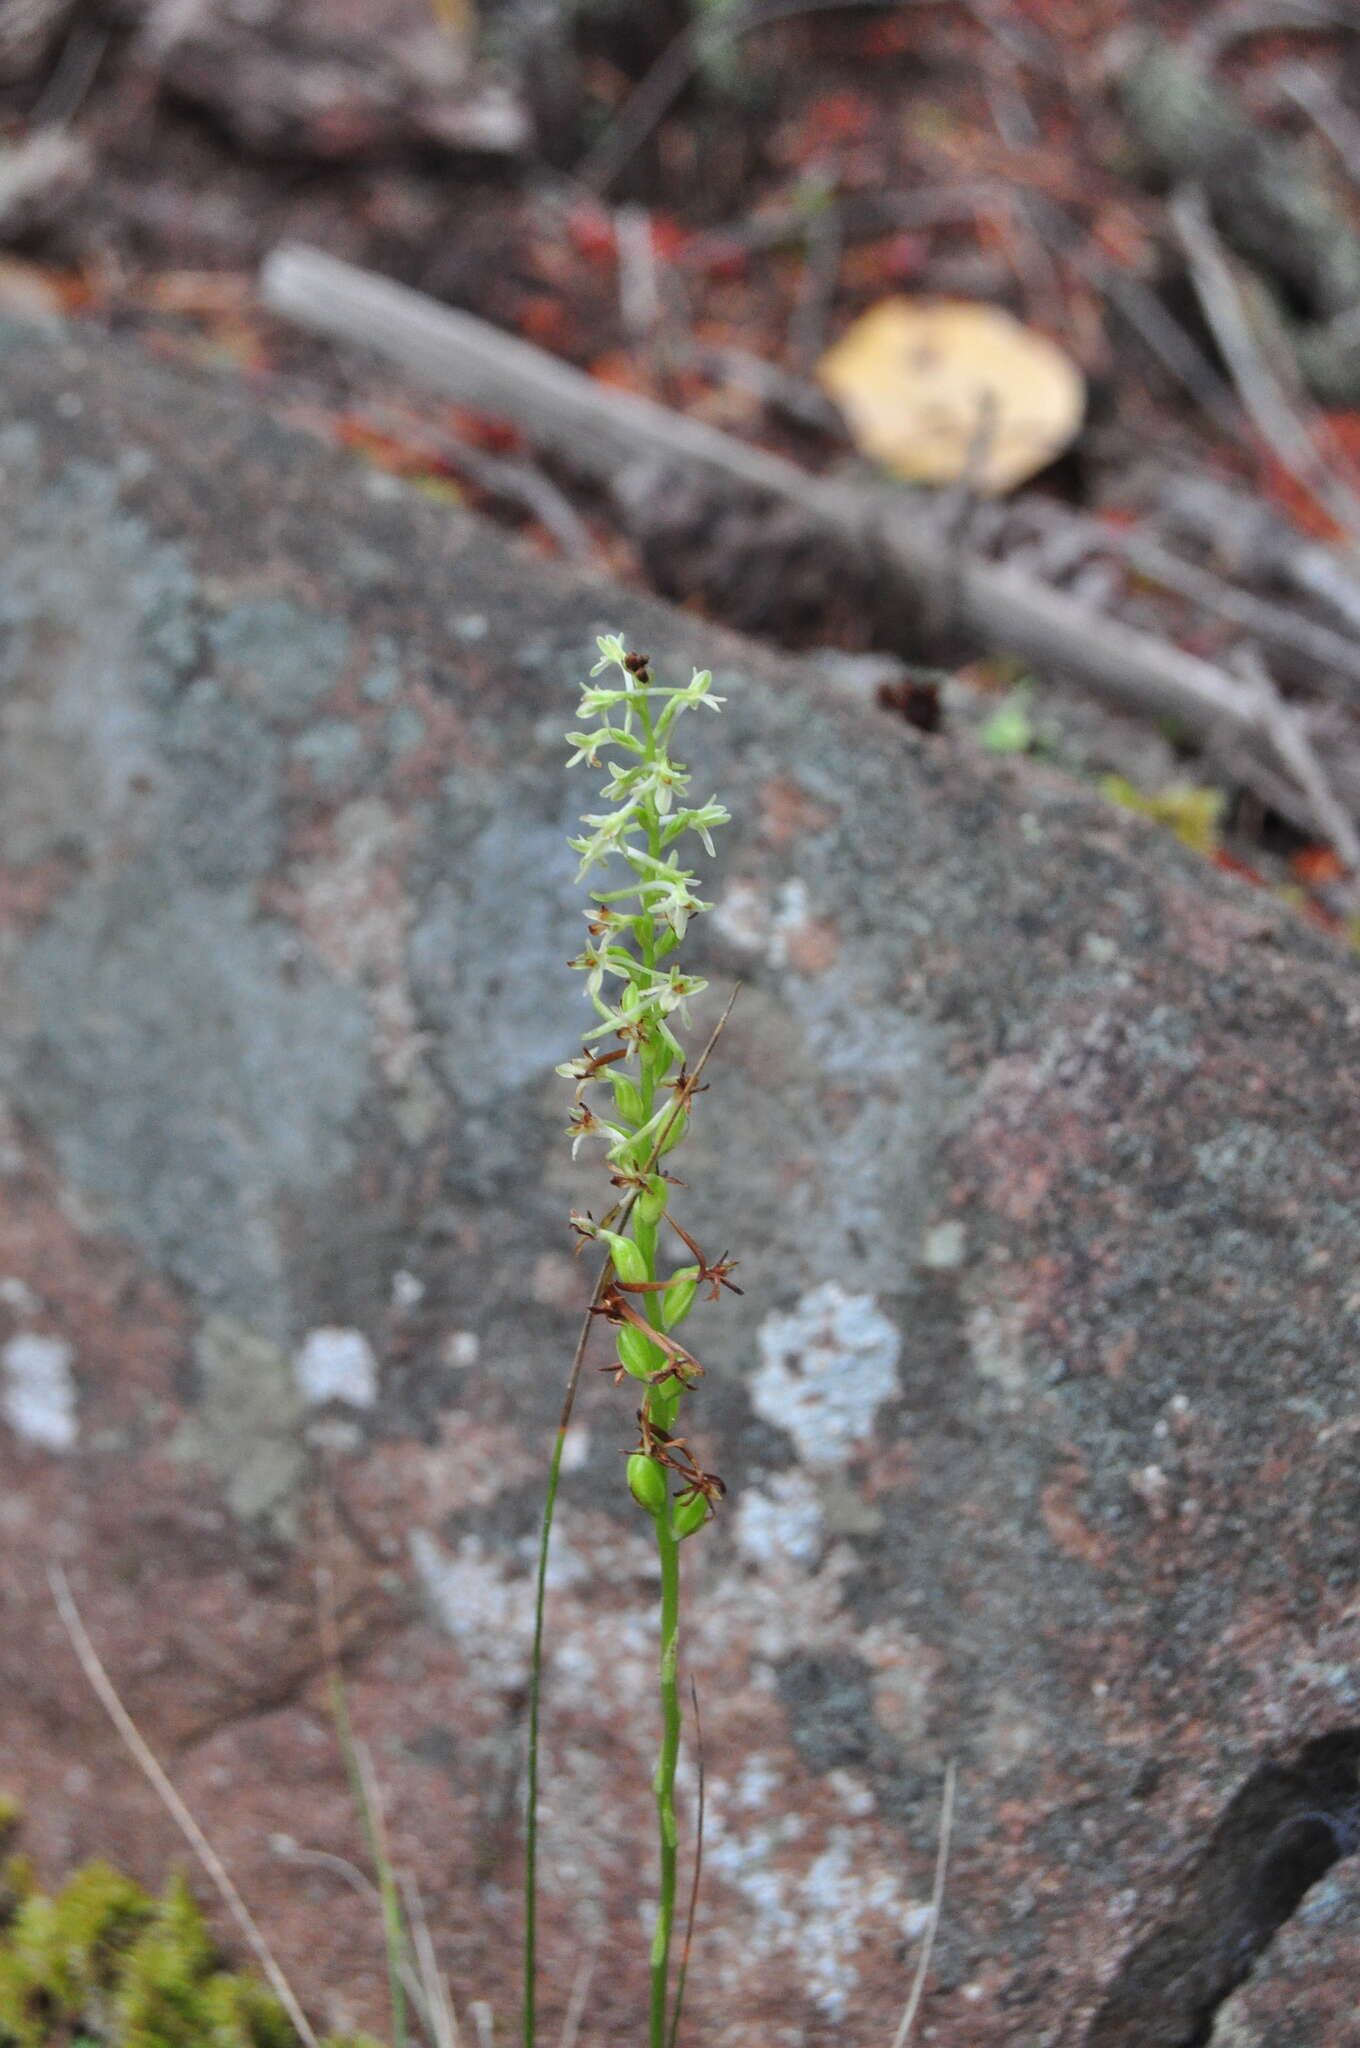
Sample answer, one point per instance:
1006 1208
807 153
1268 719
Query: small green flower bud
651 1203
647 1482
637 1354
628 1096
690 1513
678 1299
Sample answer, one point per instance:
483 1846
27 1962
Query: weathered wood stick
602 431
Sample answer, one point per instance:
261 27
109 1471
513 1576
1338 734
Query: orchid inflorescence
637 1095
637 990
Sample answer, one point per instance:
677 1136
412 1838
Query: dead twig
1215 35
1308 89
795 397
918 1986
580 1993
639 294
508 478
103 1688
1143 311
823 249
656 95
1258 387
1259 545
1274 624
1284 729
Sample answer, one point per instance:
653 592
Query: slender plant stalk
693 1907
669 1552
530 2025
629 1292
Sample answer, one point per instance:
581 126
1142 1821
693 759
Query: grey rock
1035 1138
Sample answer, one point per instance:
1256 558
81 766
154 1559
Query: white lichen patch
576 1448
791 915
825 1369
835 1897
906 1678
782 1519
943 1246
757 1781
747 918
408 1290
608 1662
995 1345
462 1348
742 916
484 1610
818 1912
38 1395
336 1365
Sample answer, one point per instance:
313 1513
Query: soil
803 170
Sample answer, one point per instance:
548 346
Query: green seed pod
678 1299
689 1514
637 1354
675 1131
647 1482
663 1406
651 1203
629 1263
628 1096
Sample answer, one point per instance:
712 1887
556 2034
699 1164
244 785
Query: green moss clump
103 1964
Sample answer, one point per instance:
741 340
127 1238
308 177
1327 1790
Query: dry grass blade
1258 386
103 1688
580 1993
430 1991
918 1984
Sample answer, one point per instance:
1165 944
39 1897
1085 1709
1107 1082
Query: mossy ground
104 1964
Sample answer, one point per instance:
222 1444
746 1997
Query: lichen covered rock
1035 1138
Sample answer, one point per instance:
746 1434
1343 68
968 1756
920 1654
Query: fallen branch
1258 545
1298 758
607 433
1273 624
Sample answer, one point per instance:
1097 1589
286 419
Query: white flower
593 702
604 840
706 819
696 691
613 653
677 992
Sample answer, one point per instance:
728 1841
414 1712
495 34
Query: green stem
669 1551
535 1704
